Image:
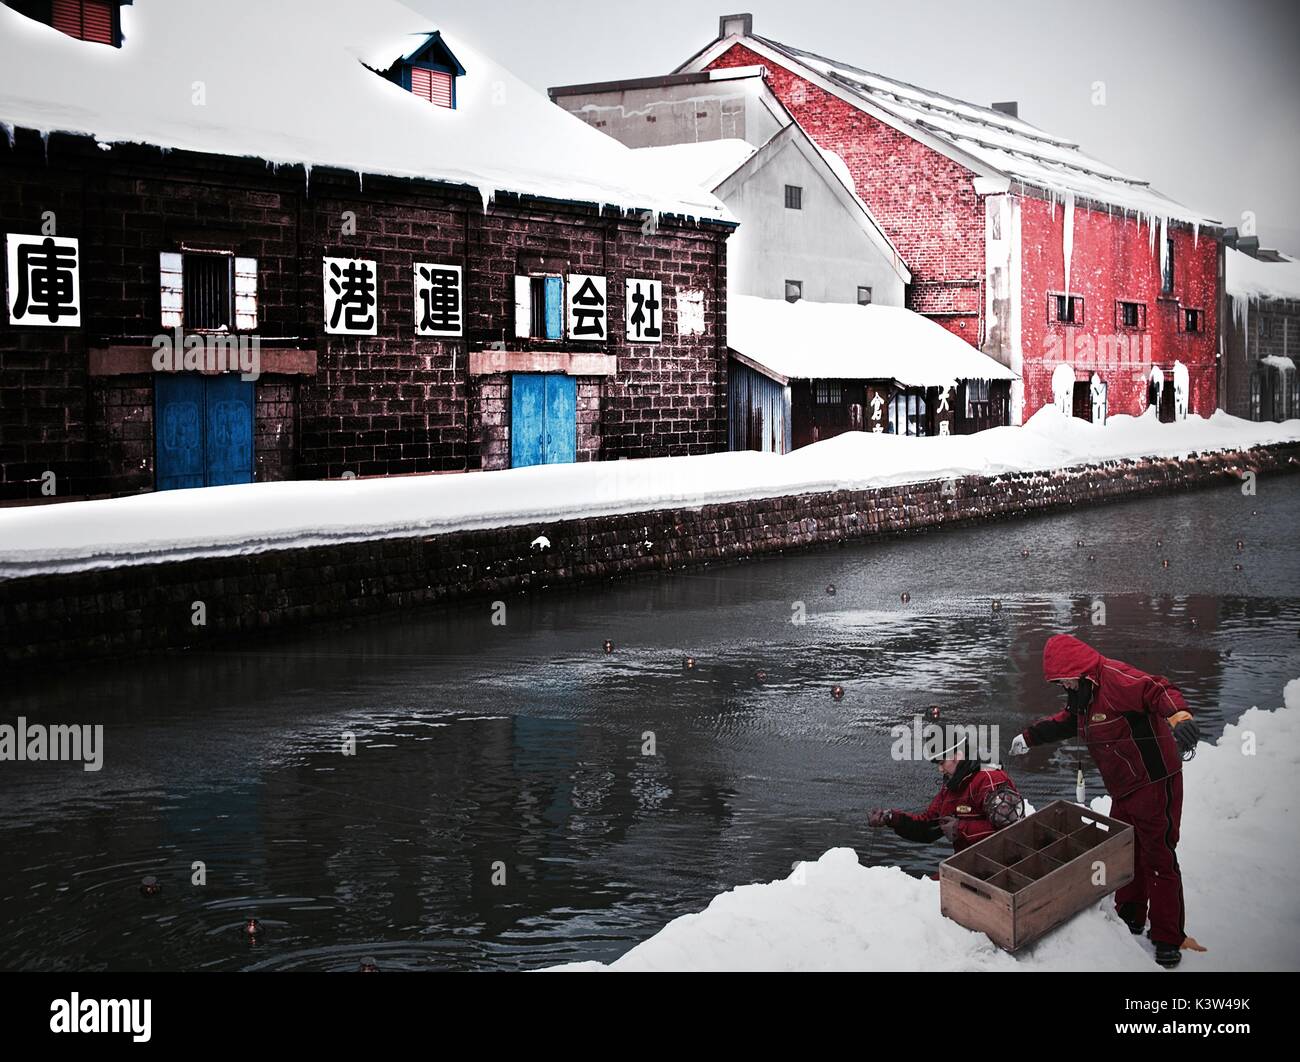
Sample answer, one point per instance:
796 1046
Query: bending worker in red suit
1136 727
960 812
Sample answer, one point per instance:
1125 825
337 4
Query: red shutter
87 20
431 85
440 88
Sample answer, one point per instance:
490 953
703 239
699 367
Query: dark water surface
521 745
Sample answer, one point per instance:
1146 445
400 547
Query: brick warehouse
79 406
977 201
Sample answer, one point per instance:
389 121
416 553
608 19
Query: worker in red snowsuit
1137 728
960 811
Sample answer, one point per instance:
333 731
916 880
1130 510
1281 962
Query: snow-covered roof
1250 278
989 142
823 340
706 163
287 82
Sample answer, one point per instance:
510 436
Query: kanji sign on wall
588 307
44 281
438 300
644 310
351 297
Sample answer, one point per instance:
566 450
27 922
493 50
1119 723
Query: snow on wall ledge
835 914
259 517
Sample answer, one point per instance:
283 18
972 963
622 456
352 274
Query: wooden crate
1030 877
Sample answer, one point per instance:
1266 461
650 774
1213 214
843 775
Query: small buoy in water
1195 623
830 589
1024 553
149 887
1092 556
368 965
761 675
905 597
609 646
997 605
934 711
837 692
253 929
1165 563
689 663
1078 542
1240 545
1236 567
1254 512
1159 542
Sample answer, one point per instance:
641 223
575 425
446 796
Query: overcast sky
1202 96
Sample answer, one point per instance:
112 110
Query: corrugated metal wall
758 412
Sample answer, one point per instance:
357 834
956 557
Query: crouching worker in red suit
1137 729
972 804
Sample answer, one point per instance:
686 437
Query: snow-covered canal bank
1237 856
522 743
251 518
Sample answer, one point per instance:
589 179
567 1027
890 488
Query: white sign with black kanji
644 310
438 300
44 281
351 297
588 307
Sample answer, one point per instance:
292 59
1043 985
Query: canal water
501 812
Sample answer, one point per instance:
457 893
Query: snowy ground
249 518
1238 857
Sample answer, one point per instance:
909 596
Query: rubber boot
1168 955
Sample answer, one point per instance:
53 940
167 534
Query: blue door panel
229 430
178 431
561 420
527 420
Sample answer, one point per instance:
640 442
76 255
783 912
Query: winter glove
1019 746
950 828
1186 733
879 817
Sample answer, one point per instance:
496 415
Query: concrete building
1261 331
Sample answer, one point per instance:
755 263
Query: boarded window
539 307
793 290
87 20
1167 274
1131 315
1065 309
208 291
431 85
828 392
793 197
864 296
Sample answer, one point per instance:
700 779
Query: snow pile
285 82
1237 855
252 517
823 340
1249 278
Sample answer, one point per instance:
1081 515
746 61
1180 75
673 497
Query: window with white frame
208 290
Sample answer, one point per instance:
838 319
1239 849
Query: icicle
306 170
1164 244
486 195
45 140
1196 233
9 132
361 181
1067 237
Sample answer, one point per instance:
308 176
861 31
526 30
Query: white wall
823 244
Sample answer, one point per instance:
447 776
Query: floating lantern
368 965
997 605
761 675
253 929
609 646
905 597
830 589
149 886
1165 563
689 663
837 692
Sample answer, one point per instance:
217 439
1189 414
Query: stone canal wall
83 616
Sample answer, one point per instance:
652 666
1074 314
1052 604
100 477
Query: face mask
1077 699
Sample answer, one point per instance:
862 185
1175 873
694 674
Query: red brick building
568 310
1018 242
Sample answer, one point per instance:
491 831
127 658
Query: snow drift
1237 854
254 517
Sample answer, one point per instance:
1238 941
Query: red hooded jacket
965 804
1124 726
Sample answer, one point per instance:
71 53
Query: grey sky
1202 96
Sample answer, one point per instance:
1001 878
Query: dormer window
97 21
429 70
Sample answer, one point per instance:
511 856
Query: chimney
1008 107
735 25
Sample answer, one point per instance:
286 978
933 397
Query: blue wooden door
561 442
203 430
229 439
178 431
543 420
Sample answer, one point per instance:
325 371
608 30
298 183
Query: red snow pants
1154 811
